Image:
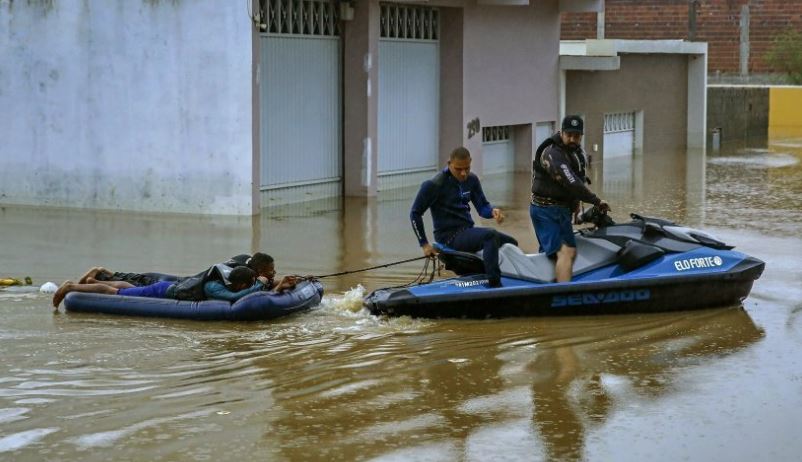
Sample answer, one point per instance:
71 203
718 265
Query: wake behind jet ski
647 264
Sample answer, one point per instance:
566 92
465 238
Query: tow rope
425 276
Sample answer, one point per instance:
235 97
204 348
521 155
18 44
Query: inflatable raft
254 307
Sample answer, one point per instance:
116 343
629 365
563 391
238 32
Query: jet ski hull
649 289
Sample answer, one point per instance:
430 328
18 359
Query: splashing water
348 303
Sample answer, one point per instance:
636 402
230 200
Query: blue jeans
156 290
553 228
488 241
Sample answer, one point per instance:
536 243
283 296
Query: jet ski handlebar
596 217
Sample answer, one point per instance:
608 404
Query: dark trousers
488 241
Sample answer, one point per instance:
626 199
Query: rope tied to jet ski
425 276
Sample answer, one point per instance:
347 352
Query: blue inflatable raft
254 307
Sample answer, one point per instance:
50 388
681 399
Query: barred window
619 122
300 17
498 133
409 22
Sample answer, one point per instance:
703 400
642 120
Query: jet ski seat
538 267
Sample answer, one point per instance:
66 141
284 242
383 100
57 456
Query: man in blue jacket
448 196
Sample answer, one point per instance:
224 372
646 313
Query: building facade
202 107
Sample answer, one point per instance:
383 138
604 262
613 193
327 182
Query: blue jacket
216 290
449 202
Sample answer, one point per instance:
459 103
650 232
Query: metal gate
498 150
300 101
409 94
619 150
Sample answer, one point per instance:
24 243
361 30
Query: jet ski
644 265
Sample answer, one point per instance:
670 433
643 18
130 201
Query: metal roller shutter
300 102
409 94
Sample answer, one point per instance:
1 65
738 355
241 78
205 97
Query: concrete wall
511 62
511 66
741 113
452 50
127 104
655 84
360 100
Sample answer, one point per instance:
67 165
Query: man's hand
604 207
264 280
498 215
287 282
428 250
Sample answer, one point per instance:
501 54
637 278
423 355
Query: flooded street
339 384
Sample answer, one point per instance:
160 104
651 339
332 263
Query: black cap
572 123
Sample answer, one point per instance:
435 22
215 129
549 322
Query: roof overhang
502 2
590 63
612 47
581 6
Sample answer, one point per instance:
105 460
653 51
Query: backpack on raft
191 288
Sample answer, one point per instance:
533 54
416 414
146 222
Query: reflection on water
470 387
338 384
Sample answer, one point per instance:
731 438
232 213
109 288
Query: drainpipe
744 45
692 6
600 25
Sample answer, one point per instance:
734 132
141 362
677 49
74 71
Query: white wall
126 104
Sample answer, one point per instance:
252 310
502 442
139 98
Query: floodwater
339 384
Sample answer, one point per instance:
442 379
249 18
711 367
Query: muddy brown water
336 383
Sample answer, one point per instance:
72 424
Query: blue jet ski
647 264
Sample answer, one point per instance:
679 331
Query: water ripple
12 414
108 438
19 440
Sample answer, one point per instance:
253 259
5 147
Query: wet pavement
339 384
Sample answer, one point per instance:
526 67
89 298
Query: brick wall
717 23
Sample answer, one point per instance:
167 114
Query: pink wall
511 62
510 66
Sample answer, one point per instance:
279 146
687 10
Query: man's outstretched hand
498 215
604 207
287 282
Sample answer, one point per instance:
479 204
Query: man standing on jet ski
559 184
448 195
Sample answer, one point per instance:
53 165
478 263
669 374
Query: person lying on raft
261 263
242 281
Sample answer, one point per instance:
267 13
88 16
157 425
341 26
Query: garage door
300 102
498 150
409 94
619 150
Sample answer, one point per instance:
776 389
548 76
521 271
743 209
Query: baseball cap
572 123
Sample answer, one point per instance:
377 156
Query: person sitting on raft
261 263
242 281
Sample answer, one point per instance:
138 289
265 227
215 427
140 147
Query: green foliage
786 55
